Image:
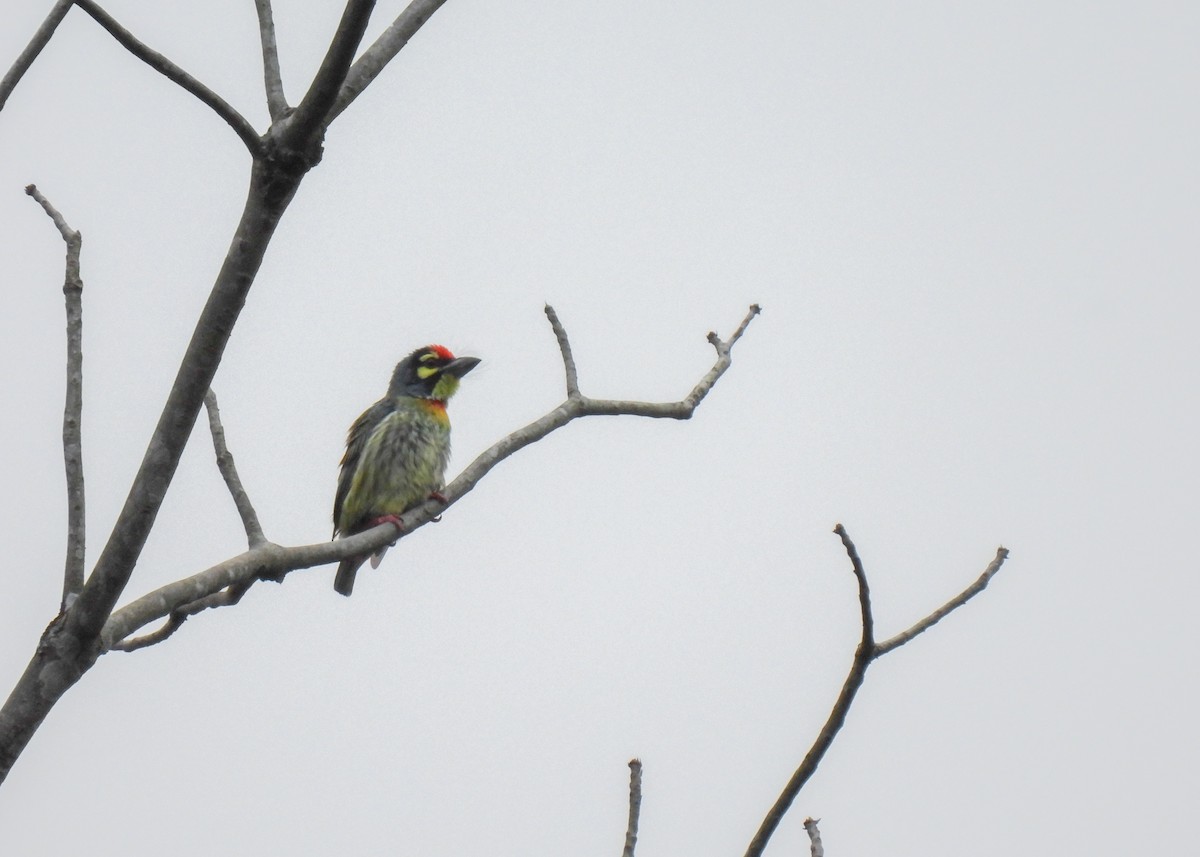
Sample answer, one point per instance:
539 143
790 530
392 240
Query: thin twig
269 561
39 41
385 48
946 609
72 431
176 75
564 345
864 592
277 104
225 463
814 836
174 623
635 806
225 598
837 717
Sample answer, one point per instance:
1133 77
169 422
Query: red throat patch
442 352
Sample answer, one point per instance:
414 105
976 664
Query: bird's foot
394 520
441 498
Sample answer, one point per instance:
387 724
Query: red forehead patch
442 352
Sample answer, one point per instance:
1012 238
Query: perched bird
396 452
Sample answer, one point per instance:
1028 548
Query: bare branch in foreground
254 531
385 48
72 431
175 74
867 652
269 561
814 836
39 41
635 806
277 105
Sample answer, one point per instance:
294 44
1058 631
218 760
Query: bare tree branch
385 48
564 345
635 806
39 41
277 104
314 111
837 717
72 432
175 74
269 561
867 652
814 836
946 609
225 463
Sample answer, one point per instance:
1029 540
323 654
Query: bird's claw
394 520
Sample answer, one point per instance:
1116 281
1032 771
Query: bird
397 450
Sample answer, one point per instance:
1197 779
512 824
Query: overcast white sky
973 231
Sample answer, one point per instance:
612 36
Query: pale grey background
973 232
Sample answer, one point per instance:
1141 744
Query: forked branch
867 652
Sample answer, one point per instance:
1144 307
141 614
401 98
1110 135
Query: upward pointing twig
72 432
277 104
635 806
254 531
564 346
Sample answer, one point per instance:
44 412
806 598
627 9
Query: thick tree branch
72 432
635 806
269 561
277 104
39 41
385 48
175 74
314 111
225 463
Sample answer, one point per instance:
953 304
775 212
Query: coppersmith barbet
397 451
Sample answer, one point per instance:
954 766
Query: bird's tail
344 581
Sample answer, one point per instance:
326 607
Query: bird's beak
459 367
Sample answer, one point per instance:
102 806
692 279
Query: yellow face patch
445 387
424 372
